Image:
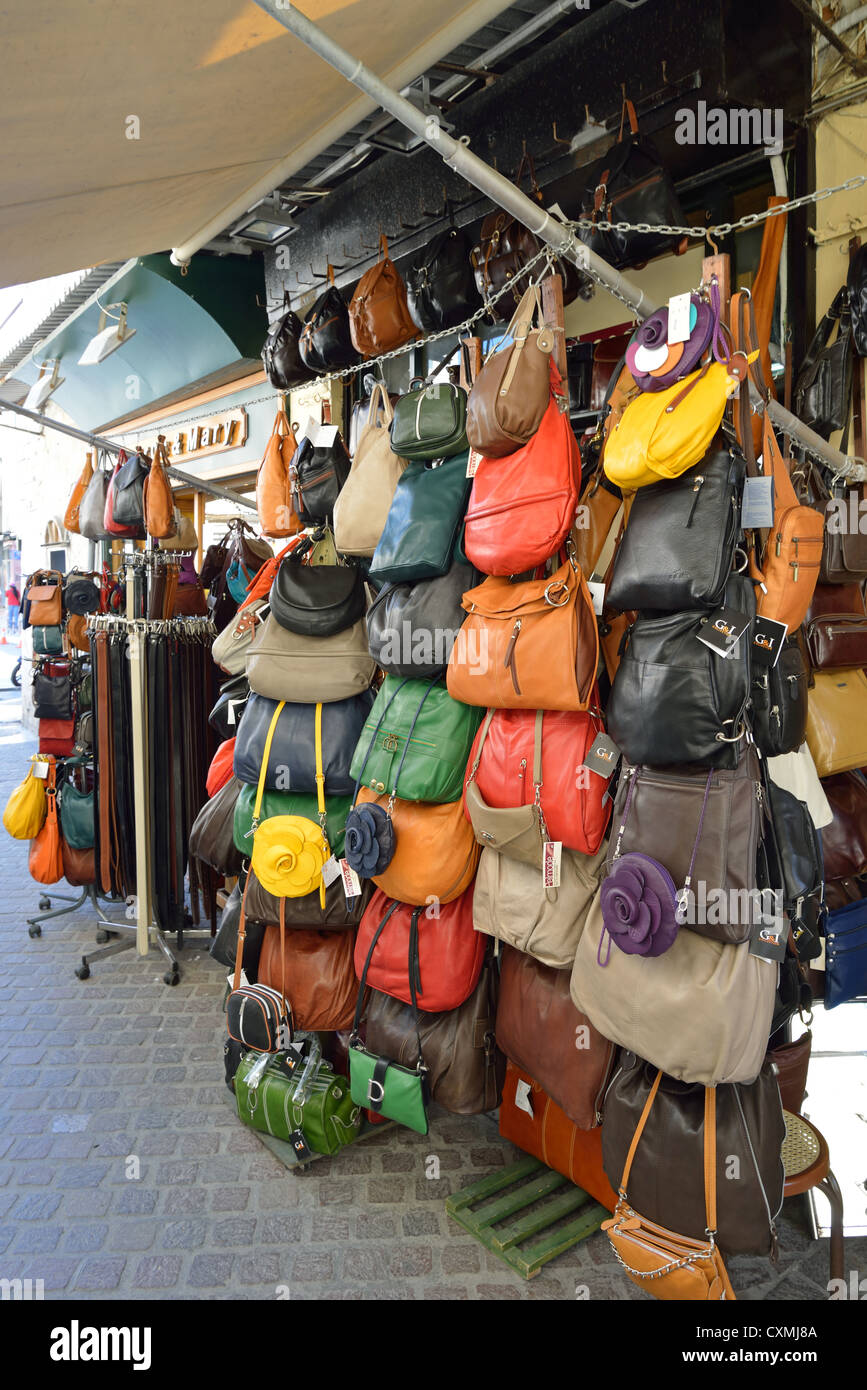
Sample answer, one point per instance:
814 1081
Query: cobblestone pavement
94 1072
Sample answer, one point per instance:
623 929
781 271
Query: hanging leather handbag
79 866
423 522
340 914
823 387
787 571
836 627
678 548
630 184
749 1128
435 956
533 644
465 1069
792 1061
362 506
837 721
436 854
57 737
440 287
430 422
318 1115
189 601
522 508
274 500
76 633
793 852
304 804
76 807
778 701
531 1120
211 834
317 600
321 988
503 774
856 284
673 699
80 595
542 1033
47 641
91 510
185 538
511 394
325 344
316 475
159 507
220 770
844 554
26 809
227 711
257 1016
291 764
45 860
845 954
281 356
390 1090
511 904
126 491
52 696
436 732
379 317
43 594
231 646
284 665
225 944
411 628
71 520
599 525
844 841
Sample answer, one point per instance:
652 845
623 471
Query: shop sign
227 430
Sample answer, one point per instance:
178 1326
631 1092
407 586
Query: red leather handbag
57 736
572 797
438 943
221 767
113 527
522 507
260 585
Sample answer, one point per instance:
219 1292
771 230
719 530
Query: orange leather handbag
379 317
70 516
159 507
436 854
220 771
788 570
46 851
277 514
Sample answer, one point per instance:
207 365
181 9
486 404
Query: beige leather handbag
186 536
364 499
284 665
701 1011
231 646
837 721
510 903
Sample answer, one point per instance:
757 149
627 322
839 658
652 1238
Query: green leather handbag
76 810
423 522
47 641
416 741
430 423
327 1115
290 804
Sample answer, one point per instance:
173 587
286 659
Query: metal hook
558 139
711 243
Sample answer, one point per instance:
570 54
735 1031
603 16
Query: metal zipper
523 776
509 658
771 1215
695 492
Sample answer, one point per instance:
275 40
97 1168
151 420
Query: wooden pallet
516 1225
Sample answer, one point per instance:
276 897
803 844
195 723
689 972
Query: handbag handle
380 394
260 789
709 1152
363 979
628 109
320 794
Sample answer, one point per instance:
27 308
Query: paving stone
390 1189
157 1272
34 1240
328 1226
81 1174
230 1199
418 1222
410 1261
184 1235
461 1259
102 1272
185 1200
280 1230
311 1267
237 1230
261 1269
134 1235
84 1239
374 1227
210 1271
177 1174
135 1200
37 1206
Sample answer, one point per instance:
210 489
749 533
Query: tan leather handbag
837 721
44 593
232 645
321 985
277 514
70 516
185 537
363 502
701 1011
285 665
511 393
510 903
435 855
159 506
379 317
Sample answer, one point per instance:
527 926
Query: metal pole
141 793
501 191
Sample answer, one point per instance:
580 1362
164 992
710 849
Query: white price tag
41 770
351 881
522 1097
552 855
320 436
679 316
597 593
473 462
330 871
243 981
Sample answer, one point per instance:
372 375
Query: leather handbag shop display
511 394
701 1011
415 742
281 356
71 520
837 721
543 1034
464 1067
211 836
533 644
284 665
412 628
379 317
220 770
274 501
362 506
321 1113
43 594
126 493
430 422
823 387
45 860
674 699
661 1261
778 702
435 854
317 473
291 763
91 509
159 508
304 804
666 1182
231 646
321 987
325 344
26 809
316 600
835 628
440 287
420 957
511 904
521 508
845 954
340 914
678 548
423 522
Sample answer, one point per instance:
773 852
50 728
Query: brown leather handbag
277 514
541 1031
465 1070
70 516
844 841
600 520
159 506
792 1061
321 987
76 632
837 721
844 558
340 914
835 628
533 644
379 317
211 836
44 595
79 866
436 854
511 393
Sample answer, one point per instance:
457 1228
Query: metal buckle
391 743
375 1099
558 584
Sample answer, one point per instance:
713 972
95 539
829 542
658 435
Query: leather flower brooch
369 845
639 907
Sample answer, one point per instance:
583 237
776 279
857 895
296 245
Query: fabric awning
129 129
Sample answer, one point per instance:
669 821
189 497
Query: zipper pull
509 658
779 541
759 796
775 714
695 491
793 687
795 568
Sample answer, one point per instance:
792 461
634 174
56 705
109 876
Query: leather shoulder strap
710 1157
260 789
639 1130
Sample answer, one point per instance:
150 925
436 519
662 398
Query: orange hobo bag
70 516
46 851
159 506
379 317
277 514
435 855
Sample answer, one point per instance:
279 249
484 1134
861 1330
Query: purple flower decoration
369 844
639 906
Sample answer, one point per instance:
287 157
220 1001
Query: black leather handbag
411 628
226 714
80 594
317 600
316 475
52 696
856 284
678 547
440 285
128 505
292 761
281 353
211 834
325 344
673 700
224 946
824 384
795 866
778 700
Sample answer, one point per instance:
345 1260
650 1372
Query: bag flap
498 598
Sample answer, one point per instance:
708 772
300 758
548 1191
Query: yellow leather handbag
837 721
290 852
26 808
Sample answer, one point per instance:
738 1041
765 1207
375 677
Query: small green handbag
423 522
430 423
421 720
290 804
76 809
47 641
328 1117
